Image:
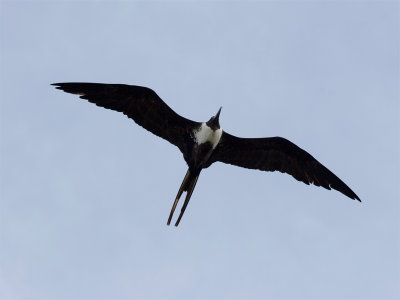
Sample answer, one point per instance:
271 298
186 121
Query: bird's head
213 123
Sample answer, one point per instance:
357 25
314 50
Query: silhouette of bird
203 143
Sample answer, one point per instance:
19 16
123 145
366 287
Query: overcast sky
85 192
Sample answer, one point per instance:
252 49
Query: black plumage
277 154
148 110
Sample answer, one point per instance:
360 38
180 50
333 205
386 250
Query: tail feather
178 196
192 184
188 185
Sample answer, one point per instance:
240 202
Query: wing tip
353 196
57 85
68 87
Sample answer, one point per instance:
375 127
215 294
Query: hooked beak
217 115
214 121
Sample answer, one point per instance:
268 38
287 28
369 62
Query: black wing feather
278 154
141 104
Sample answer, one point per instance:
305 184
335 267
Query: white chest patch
206 134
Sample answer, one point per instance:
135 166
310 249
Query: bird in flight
203 143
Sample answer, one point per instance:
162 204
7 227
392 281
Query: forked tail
188 184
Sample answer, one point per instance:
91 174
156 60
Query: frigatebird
203 143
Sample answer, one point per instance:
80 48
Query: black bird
203 143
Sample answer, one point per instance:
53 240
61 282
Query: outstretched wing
141 104
277 154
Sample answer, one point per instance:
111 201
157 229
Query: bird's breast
205 134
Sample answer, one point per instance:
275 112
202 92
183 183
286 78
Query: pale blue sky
85 192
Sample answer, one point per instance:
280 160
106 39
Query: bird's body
204 143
